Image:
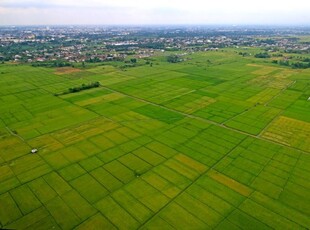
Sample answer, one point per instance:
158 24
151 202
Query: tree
173 58
262 55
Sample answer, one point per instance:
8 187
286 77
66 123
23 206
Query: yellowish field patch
66 70
264 96
278 81
46 143
197 166
8 142
68 136
285 73
264 69
290 132
234 185
195 105
104 98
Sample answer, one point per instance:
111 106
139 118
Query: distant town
66 45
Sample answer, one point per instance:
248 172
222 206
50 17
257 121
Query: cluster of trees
93 60
262 55
305 59
291 51
108 59
244 54
84 87
133 60
80 88
173 59
300 65
268 41
281 62
130 63
149 63
52 64
294 65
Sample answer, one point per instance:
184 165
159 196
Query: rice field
191 145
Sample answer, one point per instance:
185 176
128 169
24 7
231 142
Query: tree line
80 88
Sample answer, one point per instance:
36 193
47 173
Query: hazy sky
21 12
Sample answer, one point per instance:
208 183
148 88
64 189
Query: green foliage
173 58
300 65
84 87
243 54
51 64
262 55
94 60
294 65
284 63
80 88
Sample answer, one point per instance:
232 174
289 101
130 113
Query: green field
222 144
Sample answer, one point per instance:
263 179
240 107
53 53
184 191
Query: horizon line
172 24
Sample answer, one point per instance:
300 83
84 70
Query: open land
218 141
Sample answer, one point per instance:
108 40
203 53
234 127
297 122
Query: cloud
193 5
55 4
25 5
154 12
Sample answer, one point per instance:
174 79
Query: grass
211 145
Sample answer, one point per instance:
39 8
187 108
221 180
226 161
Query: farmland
217 144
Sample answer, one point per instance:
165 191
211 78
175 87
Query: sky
148 12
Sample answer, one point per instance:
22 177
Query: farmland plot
222 144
